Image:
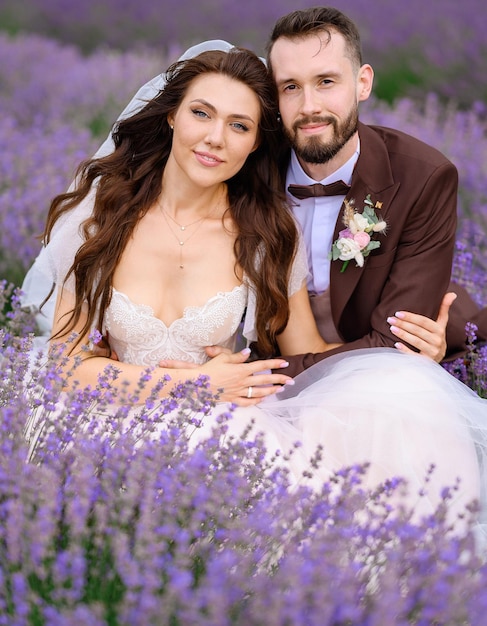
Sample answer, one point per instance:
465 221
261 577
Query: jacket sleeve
418 275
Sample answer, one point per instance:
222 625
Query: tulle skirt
400 414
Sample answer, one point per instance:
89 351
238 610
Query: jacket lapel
372 175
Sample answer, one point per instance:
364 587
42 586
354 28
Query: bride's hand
243 383
426 335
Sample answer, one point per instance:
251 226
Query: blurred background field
439 46
69 68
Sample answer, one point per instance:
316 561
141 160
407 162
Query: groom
314 56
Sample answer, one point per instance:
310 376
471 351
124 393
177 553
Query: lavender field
98 530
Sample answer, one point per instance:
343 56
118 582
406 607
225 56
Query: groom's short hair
304 22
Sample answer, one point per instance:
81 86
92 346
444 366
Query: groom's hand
425 334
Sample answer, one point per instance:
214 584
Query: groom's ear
365 81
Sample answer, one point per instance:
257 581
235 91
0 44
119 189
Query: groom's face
319 90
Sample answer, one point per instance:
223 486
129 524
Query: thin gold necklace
181 241
180 226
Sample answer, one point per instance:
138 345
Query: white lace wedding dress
400 413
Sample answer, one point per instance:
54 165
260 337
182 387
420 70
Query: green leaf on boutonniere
356 241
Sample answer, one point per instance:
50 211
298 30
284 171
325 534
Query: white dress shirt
317 217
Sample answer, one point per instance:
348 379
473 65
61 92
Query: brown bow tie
338 188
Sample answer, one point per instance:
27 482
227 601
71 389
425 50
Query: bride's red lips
208 159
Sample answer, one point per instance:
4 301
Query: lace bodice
136 334
139 337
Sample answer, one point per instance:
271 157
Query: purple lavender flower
124 523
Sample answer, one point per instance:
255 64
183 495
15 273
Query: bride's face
215 129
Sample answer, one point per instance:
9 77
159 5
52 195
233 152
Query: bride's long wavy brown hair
128 183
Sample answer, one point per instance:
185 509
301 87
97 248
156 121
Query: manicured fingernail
391 320
285 364
394 329
246 351
400 314
399 346
290 382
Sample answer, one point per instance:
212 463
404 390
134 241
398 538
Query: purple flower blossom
127 524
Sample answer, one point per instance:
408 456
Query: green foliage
396 81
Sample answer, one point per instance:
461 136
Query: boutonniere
355 240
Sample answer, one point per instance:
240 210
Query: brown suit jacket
417 187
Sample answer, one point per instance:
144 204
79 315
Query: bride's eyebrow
204 103
210 106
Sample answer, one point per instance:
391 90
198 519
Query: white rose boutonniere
355 240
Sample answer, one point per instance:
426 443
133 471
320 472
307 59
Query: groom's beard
313 149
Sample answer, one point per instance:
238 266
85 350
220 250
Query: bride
166 242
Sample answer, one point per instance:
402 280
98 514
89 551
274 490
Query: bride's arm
227 372
87 365
301 334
